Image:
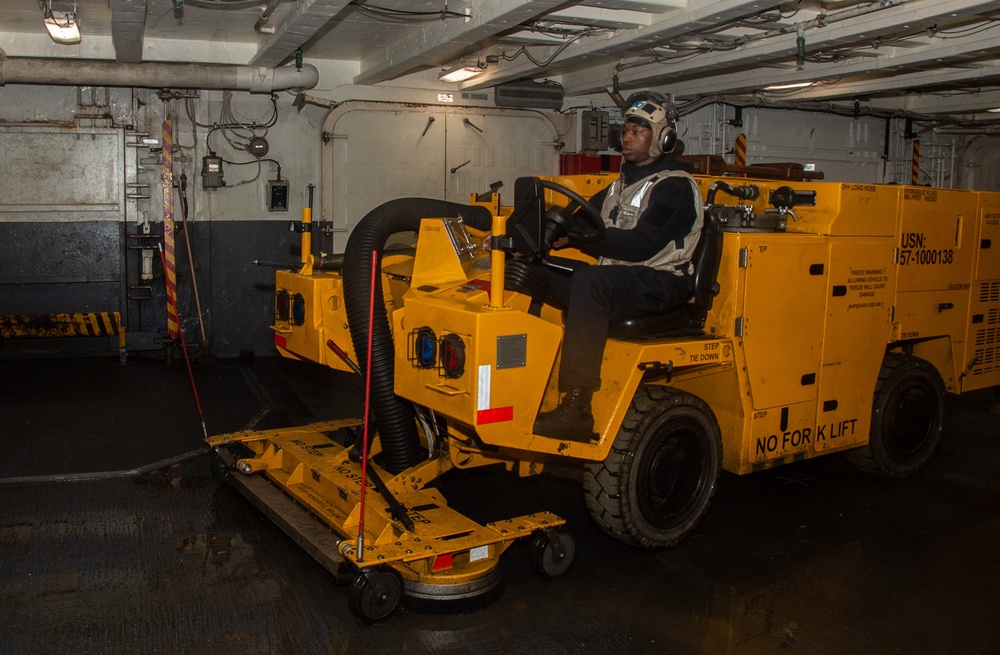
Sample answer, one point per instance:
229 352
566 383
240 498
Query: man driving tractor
653 215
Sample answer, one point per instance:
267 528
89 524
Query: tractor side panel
937 253
858 325
508 357
936 232
982 355
783 317
323 317
988 238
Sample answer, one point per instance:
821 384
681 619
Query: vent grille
989 292
986 361
987 337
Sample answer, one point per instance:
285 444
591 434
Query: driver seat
688 319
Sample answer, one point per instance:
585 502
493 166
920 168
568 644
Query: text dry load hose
394 416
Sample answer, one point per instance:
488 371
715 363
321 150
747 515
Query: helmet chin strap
654 146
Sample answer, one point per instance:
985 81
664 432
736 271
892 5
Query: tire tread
608 507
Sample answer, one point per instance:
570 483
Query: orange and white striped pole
740 158
170 257
740 152
915 170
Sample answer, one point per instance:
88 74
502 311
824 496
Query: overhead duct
529 94
155 75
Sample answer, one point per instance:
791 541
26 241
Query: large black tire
659 478
907 418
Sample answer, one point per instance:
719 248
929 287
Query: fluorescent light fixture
786 87
460 73
995 110
62 26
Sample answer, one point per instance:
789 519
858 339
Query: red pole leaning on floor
368 389
187 360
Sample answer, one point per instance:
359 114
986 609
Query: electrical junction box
593 130
211 172
277 196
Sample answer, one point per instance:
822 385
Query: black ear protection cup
667 138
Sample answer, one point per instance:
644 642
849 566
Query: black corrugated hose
394 416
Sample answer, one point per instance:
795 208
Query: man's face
635 144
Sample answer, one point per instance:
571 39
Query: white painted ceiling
938 57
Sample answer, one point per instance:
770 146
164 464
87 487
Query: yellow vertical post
497 265
305 230
307 217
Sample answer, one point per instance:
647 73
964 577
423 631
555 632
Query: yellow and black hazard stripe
89 324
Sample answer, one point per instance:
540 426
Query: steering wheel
560 222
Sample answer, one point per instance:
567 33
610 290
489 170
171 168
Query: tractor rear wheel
659 478
907 418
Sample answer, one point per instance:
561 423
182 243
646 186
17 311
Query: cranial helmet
653 111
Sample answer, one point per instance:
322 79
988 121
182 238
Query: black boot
572 420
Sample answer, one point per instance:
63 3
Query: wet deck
117 539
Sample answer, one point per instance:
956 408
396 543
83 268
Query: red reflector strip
495 415
280 341
442 562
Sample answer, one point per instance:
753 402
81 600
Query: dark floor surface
115 538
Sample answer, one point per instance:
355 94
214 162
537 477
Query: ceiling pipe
818 22
154 75
265 16
932 122
980 131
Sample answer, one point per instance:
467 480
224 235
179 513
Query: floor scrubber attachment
306 480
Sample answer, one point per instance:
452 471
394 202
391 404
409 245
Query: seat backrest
707 257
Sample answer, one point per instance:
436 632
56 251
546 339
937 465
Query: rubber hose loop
394 416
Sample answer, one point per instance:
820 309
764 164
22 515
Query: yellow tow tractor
826 317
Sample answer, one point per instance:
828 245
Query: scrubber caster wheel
552 553
375 594
219 469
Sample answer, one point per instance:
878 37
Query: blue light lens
298 309
425 347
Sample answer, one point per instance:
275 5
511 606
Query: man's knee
600 284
